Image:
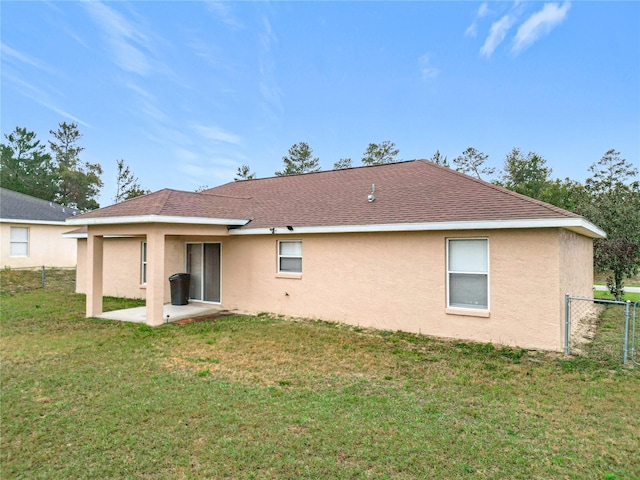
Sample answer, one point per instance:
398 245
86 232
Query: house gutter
578 225
137 219
33 222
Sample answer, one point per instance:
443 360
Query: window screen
19 242
290 257
468 273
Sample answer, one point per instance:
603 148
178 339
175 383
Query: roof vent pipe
371 198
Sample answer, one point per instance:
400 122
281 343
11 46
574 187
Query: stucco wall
122 266
576 264
576 274
394 281
397 281
47 247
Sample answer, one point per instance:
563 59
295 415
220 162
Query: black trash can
179 288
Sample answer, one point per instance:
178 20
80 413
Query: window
468 273
290 257
19 243
143 257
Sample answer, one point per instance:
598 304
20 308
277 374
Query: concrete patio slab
171 313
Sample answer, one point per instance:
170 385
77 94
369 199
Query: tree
244 173
127 184
299 160
526 175
567 193
613 202
342 164
79 182
375 154
531 177
438 159
471 162
26 167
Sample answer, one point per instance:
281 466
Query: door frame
186 268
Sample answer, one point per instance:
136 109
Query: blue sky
185 92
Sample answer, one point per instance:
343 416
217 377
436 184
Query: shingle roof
405 192
416 191
176 203
18 206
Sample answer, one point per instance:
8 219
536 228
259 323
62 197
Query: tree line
56 172
609 198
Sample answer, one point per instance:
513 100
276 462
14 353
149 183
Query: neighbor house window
468 273
143 261
290 257
19 242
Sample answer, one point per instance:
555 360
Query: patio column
155 277
94 274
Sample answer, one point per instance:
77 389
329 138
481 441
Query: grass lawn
264 397
632 297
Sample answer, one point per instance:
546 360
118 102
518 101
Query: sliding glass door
203 263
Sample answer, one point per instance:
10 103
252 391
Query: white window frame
463 272
281 256
19 243
143 263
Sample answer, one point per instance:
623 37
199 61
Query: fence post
566 323
43 275
627 317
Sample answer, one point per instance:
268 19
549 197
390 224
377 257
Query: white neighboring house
31 232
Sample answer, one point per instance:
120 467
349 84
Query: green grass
632 297
269 397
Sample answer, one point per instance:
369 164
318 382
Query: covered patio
158 228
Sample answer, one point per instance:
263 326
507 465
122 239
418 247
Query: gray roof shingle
18 206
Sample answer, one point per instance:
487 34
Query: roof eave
577 224
132 219
75 235
33 222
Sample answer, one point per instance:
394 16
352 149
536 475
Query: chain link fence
25 279
603 330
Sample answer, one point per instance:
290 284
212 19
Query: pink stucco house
409 246
31 232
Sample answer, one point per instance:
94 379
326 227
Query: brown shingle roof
407 192
176 203
417 191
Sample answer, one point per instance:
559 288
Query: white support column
155 276
94 275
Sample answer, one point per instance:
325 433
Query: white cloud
146 104
217 134
200 171
222 11
268 85
426 69
8 52
472 29
185 156
497 34
539 24
40 97
123 38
